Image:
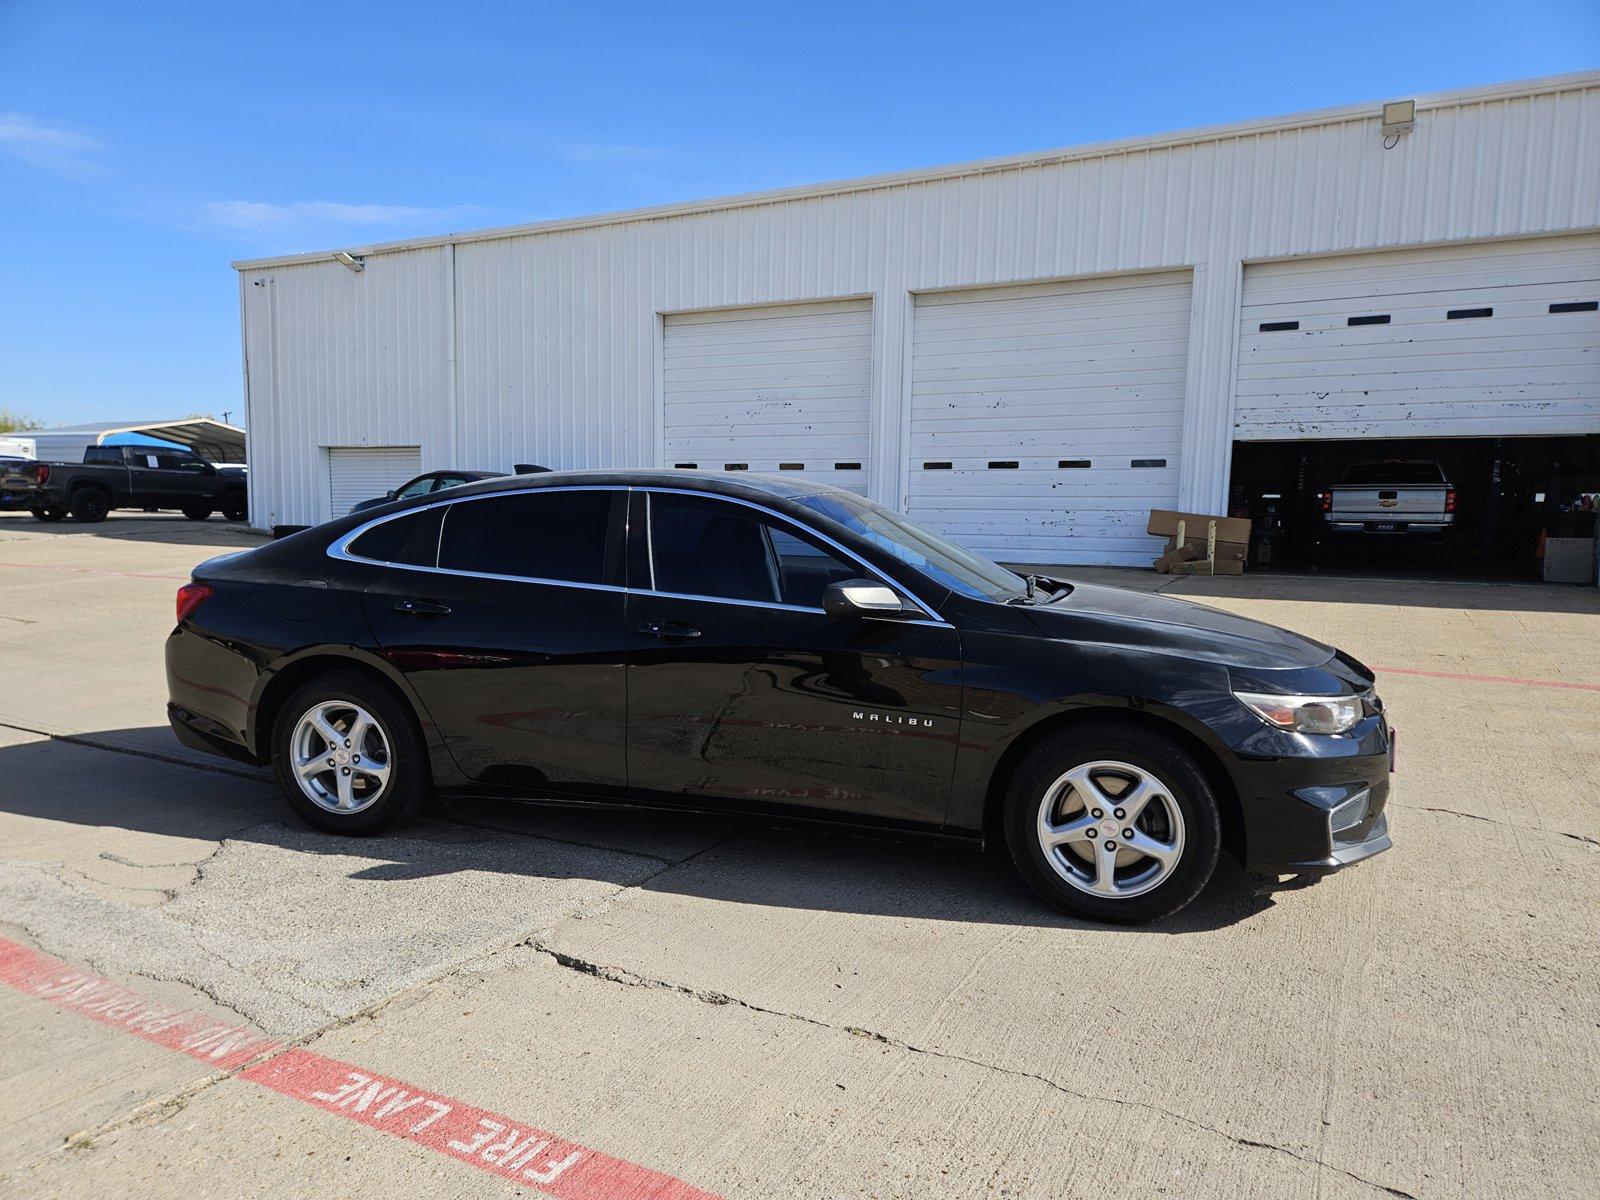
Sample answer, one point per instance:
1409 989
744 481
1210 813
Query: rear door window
558 535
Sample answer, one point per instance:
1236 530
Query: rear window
534 535
1378 474
411 540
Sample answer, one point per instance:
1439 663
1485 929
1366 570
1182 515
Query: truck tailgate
1403 502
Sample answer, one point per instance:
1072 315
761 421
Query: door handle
669 630
422 608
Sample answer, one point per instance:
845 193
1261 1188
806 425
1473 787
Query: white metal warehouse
1028 353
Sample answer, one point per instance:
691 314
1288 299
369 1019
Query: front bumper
1319 804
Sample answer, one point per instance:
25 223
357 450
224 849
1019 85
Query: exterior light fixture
346 259
1399 118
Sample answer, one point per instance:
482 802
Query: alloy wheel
341 756
1110 829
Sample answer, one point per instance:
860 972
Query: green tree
12 422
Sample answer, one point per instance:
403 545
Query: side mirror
865 598
391 494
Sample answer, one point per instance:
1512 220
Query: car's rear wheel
197 514
48 513
348 756
235 508
1113 821
90 505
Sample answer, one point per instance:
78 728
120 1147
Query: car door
147 482
505 614
186 480
741 687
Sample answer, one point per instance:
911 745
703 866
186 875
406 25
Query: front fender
1015 684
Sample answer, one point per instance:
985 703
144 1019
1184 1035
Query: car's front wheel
234 507
348 755
1113 821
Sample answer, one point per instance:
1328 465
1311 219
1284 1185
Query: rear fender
292 669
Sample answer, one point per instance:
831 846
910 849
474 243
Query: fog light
1351 813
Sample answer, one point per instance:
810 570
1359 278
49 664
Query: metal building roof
1211 133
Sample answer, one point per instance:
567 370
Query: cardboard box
1230 556
1223 566
1174 556
1164 523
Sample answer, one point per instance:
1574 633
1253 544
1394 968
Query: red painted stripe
515 1151
89 571
1546 683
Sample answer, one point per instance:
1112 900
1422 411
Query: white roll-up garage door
771 389
357 473
1496 339
1046 420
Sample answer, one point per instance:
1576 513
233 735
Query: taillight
1325 501
1450 500
191 596
44 472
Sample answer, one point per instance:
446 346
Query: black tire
197 514
48 514
1127 742
90 505
235 507
409 783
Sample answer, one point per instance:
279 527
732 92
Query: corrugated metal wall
545 346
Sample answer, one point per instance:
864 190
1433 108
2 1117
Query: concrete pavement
769 1013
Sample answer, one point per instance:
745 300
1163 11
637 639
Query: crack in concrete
626 978
182 1095
1452 812
111 856
65 874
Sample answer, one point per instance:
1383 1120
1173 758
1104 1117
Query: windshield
1379 474
958 569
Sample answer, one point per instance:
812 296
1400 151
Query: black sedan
773 647
425 485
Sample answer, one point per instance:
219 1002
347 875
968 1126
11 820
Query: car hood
1144 620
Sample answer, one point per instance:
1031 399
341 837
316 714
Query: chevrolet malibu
776 648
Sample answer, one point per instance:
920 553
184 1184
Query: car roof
726 482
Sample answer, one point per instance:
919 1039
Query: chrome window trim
340 549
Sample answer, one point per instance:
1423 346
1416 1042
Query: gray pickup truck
111 477
1390 501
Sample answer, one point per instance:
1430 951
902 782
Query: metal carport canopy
209 439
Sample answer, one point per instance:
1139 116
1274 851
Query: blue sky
144 146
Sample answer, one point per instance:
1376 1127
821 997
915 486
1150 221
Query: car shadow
138 526
737 861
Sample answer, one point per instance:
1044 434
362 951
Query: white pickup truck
1388 501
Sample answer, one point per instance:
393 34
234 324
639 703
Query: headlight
1304 714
